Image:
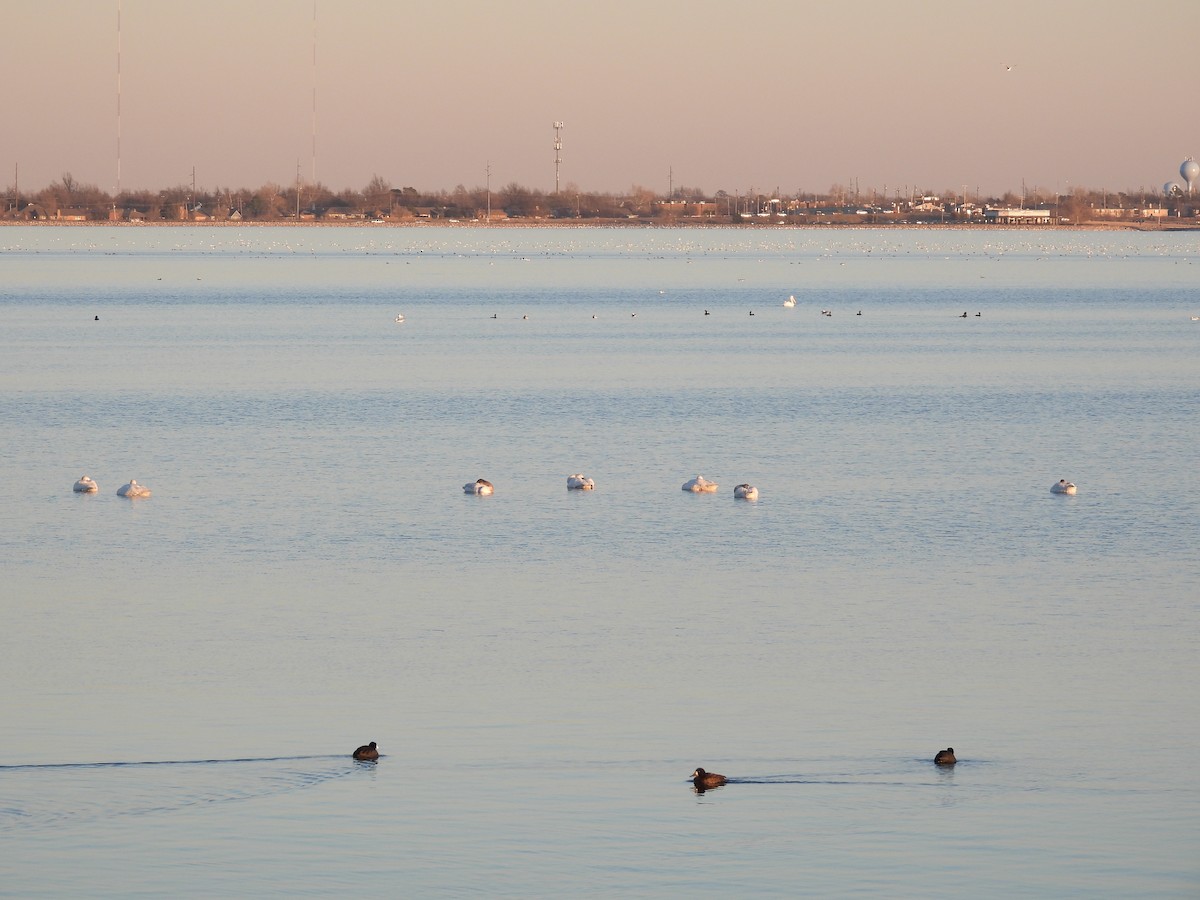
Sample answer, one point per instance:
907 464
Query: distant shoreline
616 223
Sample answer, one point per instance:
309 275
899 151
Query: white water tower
1190 171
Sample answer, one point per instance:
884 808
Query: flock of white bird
483 488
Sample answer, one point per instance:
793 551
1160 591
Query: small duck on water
367 752
704 780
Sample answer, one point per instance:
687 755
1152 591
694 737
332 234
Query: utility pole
558 127
488 176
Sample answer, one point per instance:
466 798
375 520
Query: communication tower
558 126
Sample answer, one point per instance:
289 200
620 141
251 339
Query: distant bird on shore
705 780
367 751
706 313
945 757
751 312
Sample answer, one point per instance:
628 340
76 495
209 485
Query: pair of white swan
1062 487
133 490
701 485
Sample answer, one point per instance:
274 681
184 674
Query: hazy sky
724 94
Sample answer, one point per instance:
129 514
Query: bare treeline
70 199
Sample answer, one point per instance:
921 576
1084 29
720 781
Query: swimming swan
479 486
745 492
399 318
85 485
578 482
700 485
790 302
1062 487
133 490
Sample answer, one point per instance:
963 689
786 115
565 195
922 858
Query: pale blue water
185 676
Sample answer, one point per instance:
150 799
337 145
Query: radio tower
558 126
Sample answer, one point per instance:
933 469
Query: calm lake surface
186 676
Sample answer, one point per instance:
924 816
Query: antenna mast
558 126
118 97
314 94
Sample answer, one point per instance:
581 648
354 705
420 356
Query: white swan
790 301
399 318
700 485
479 486
745 492
1062 487
579 482
85 485
133 490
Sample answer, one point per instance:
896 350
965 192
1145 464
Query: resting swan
479 486
85 485
700 485
745 492
579 482
1063 487
133 490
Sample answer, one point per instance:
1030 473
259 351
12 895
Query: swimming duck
85 485
700 485
579 482
367 751
705 780
479 486
745 492
945 757
133 490
1062 487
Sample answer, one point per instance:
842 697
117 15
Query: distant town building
1018 216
